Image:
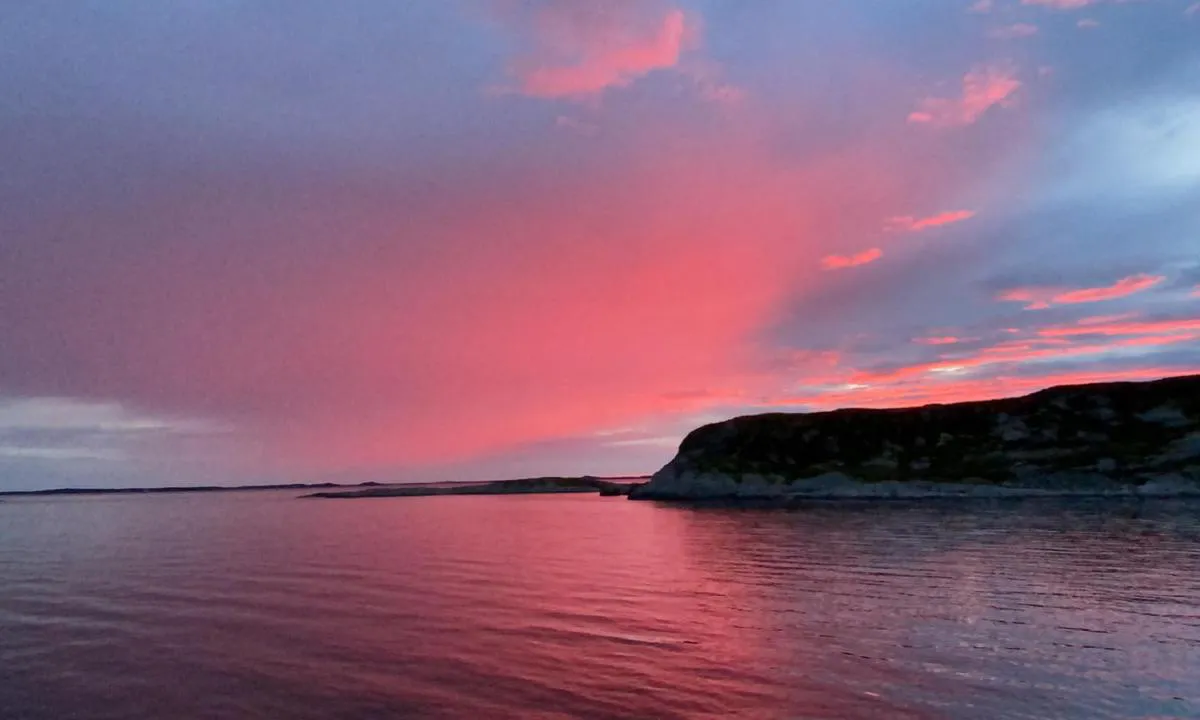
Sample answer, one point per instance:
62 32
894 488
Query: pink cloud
1009 366
1088 23
709 82
1034 298
1051 343
1012 32
982 88
1106 319
1060 4
1193 9
1006 367
908 223
582 56
981 6
520 291
1145 327
1042 297
949 389
1121 288
837 262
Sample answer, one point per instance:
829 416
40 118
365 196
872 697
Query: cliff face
1119 438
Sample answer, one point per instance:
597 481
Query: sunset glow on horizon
498 238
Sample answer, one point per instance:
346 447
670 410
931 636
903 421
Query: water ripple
257 605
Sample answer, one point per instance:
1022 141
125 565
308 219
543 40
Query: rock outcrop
1113 438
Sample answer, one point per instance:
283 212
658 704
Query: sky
268 241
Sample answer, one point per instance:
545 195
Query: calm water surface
259 605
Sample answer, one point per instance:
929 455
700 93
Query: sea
264 605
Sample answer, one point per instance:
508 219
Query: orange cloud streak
954 376
982 88
1121 288
909 223
952 390
1060 4
838 262
1035 298
608 60
1106 319
1149 327
1052 343
1040 298
947 340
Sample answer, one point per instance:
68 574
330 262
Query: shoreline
169 490
604 486
836 487
608 485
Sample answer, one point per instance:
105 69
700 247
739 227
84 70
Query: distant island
182 489
1112 439
585 484
524 486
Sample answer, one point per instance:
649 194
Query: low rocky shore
839 486
1116 439
524 486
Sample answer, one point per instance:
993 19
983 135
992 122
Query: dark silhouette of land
1139 438
601 485
1104 438
182 489
525 486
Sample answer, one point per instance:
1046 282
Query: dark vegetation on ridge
1078 426
1128 433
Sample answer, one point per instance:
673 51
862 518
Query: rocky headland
1119 439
